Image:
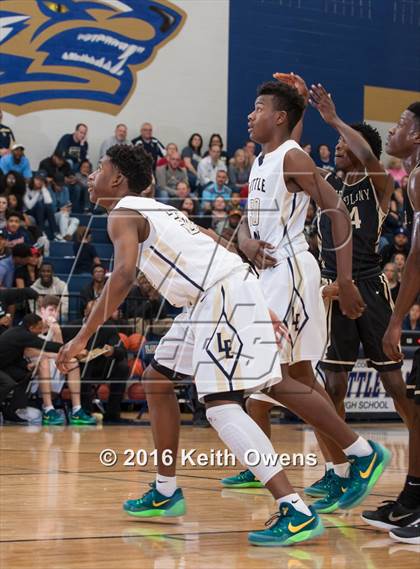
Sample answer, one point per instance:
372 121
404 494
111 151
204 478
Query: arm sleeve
27 170
30 340
13 295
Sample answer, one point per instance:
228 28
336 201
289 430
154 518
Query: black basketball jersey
366 219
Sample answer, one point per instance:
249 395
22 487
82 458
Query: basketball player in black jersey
366 191
404 142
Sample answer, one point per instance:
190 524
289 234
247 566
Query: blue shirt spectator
216 189
16 161
20 257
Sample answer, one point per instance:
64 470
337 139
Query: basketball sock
241 434
360 447
328 466
47 408
410 494
76 408
342 470
296 502
166 485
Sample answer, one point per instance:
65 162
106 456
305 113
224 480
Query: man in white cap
17 162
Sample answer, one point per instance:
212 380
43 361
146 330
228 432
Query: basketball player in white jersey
225 338
283 179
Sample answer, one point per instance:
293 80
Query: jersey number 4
355 217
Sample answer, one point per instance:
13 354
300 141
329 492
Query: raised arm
302 175
126 229
384 186
410 282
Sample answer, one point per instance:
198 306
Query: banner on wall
79 54
365 392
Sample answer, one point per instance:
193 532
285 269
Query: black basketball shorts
346 335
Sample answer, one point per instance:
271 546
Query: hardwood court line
157 534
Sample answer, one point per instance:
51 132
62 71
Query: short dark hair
22 250
49 300
14 213
30 320
97 267
79 124
134 163
286 99
371 135
415 109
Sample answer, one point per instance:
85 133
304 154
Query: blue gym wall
344 44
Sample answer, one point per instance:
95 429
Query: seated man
74 146
47 283
15 232
17 162
209 166
51 331
167 177
214 190
111 367
92 290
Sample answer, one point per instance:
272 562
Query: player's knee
155 382
255 407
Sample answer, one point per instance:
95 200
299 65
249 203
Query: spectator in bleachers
62 205
307 148
119 137
13 183
399 260
412 320
144 301
82 180
4 249
39 203
48 284
3 209
150 143
391 273
15 232
78 193
55 164
236 201
228 228
218 212
7 138
112 367
167 177
182 190
16 161
239 170
27 274
396 170
215 189
323 158
216 139
15 203
189 206
20 256
74 146
250 152
191 155
93 290
84 251
400 244
209 166
171 148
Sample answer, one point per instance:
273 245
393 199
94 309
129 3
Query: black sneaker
391 515
409 534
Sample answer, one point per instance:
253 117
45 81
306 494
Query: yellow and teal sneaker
52 417
320 487
287 527
81 418
336 487
153 504
364 474
244 479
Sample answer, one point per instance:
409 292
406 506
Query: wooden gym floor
61 509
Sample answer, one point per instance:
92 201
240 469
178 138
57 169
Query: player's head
277 106
404 137
33 323
124 170
345 159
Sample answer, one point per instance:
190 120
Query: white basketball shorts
226 341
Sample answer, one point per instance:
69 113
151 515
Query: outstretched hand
322 102
295 81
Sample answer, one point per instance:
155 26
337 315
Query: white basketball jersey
178 259
276 215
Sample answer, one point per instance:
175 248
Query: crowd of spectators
39 206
